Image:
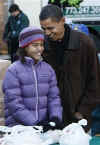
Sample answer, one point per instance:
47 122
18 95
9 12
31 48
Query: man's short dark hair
51 11
13 8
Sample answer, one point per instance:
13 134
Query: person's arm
6 30
54 106
88 101
54 101
14 99
24 22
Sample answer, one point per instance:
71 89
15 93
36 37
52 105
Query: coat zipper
36 88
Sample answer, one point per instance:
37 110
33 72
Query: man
73 56
16 22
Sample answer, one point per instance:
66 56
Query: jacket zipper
36 88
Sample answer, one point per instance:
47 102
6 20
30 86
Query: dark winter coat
31 93
14 26
75 62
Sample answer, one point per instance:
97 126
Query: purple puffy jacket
31 93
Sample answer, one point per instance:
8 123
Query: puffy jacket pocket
44 78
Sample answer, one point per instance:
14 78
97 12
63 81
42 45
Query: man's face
53 29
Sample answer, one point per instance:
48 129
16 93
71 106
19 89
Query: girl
30 85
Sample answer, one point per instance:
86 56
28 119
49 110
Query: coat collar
30 60
73 38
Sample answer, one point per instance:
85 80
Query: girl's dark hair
13 8
51 11
22 53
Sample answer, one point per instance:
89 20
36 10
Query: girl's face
35 49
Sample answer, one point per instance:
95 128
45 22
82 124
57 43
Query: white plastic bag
51 137
74 134
22 135
28 135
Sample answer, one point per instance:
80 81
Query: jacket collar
30 60
73 40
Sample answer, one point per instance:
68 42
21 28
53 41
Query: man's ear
63 20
